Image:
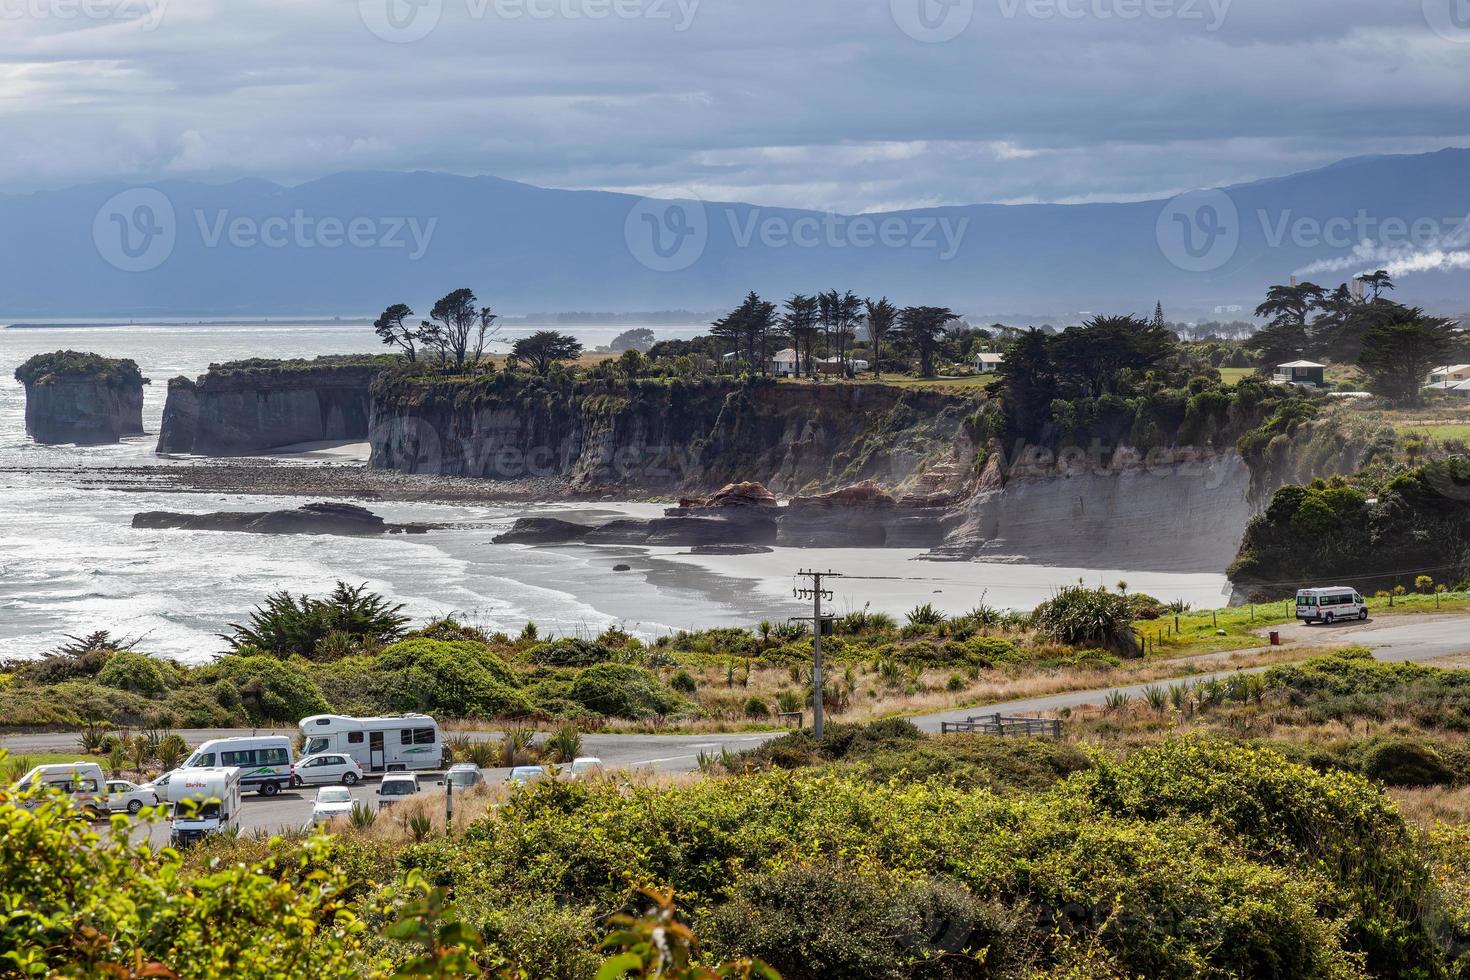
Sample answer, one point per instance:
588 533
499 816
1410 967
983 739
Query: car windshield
464 778
396 787
335 794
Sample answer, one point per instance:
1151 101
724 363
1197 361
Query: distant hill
354 242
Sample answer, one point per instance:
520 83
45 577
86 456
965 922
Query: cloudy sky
838 104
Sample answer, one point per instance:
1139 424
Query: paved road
1394 639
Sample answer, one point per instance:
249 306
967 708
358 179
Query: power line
816 593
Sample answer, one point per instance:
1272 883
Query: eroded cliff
84 399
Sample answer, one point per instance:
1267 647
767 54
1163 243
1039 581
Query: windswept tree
921 329
1094 353
544 348
458 329
1401 347
1291 304
881 317
1379 282
394 330
748 327
801 322
1029 378
288 625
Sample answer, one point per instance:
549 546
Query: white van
1330 605
264 761
82 781
205 801
394 743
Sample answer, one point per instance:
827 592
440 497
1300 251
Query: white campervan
81 781
1330 605
205 801
264 761
396 743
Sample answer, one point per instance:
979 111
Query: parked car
463 776
329 767
123 795
586 765
395 787
81 781
1330 605
158 785
331 802
521 775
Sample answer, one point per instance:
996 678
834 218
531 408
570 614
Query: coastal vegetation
77 366
1311 821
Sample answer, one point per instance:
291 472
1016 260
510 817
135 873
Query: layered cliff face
255 406
658 436
84 399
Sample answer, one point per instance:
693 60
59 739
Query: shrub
564 746
265 689
623 691
925 615
136 672
570 652
1088 618
456 679
1405 762
826 919
756 707
286 624
683 682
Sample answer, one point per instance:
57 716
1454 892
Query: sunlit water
70 562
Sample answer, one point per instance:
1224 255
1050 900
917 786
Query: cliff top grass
70 365
274 366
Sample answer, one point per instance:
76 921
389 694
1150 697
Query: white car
329 767
123 795
396 786
463 776
521 775
586 765
158 785
331 802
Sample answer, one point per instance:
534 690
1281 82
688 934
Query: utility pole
816 593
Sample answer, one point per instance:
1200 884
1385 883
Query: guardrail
1004 725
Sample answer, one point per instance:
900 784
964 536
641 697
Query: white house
988 363
1449 375
785 363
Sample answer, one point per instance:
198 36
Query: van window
405 736
423 736
1306 600
200 760
317 744
241 757
354 738
275 757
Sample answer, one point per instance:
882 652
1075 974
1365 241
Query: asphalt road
1394 639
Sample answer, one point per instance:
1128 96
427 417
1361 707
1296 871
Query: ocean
71 563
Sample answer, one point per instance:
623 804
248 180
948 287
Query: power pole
816 593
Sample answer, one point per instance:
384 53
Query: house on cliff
1307 374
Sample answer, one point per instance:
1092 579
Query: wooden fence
1003 725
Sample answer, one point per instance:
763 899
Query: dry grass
1436 804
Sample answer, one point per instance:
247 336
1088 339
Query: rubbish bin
1275 638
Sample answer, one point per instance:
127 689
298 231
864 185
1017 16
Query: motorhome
1330 605
264 761
204 801
83 782
395 743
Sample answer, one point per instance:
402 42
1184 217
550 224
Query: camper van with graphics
394 743
264 761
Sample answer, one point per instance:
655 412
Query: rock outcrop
84 399
324 518
255 406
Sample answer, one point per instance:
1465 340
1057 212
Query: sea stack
86 399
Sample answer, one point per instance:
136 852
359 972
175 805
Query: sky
845 105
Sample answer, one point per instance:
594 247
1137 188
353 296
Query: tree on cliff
1029 379
748 328
846 311
393 329
458 329
1092 355
921 329
1400 349
800 321
881 316
545 348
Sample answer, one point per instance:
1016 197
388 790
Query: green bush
683 682
623 691
265 689
756 707
832 920
1081 617
1405 761
455 679
570 652
135 672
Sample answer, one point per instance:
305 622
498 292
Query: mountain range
353 243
